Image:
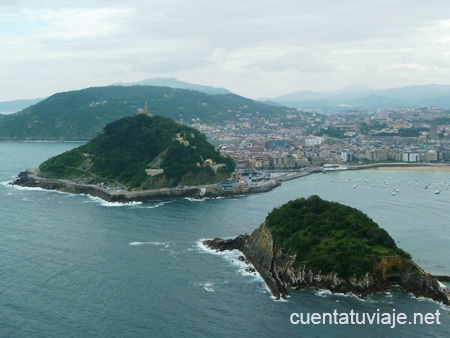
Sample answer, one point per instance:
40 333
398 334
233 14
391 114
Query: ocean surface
76 266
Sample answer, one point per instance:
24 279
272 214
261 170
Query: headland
325 245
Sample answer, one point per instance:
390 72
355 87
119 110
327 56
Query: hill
83 113
313 242
141 152
328 236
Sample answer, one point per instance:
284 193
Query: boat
437 192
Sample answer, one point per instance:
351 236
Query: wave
203 248
237 259
328 293
104 203
191 199
165 244
8 184
160 204
429 300
208 287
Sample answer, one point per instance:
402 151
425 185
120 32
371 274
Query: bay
75 266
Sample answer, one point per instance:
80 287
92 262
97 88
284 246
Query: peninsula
138 158
316 243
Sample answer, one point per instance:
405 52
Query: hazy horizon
253 48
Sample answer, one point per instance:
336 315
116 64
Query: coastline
402 167
30 178
280 274
416 168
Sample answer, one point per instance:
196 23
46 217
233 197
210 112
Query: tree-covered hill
327 245
173 154
328 236
83 113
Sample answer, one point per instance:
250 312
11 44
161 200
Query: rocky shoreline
30 178
278 271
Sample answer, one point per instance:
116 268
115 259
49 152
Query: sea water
76 266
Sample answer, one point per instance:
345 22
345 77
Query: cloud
257 48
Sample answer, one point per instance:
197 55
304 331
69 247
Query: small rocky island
316 243
138 158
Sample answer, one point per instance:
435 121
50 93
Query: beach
413 168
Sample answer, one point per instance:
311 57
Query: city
305 138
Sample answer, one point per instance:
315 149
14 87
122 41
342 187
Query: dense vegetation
121 153
82 114
328 236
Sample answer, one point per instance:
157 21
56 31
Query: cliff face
279 270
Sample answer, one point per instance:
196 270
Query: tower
145 108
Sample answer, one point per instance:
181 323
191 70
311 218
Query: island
138 158
311 242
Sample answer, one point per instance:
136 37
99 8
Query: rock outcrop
280 271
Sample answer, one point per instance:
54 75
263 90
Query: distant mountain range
174 83
9 107
356 96
360 96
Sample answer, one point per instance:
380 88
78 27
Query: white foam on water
328 293
208 287
195 199
160 204
323 293
18 187
233 258
107 204
190 199
165 244
429 300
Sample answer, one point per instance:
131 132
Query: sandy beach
413 168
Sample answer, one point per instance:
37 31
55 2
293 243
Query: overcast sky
255 48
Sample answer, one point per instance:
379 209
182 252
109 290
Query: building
346 156
410 157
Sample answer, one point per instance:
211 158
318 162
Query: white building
410 157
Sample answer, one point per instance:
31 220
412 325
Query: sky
254 48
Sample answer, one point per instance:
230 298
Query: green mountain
83 113
142 152
328 236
